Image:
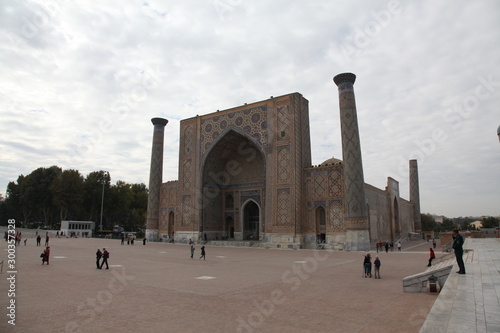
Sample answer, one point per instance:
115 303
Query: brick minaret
155 179
356 218
415 195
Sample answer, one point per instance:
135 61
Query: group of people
130 240
104 255
367 266
192 249
387 245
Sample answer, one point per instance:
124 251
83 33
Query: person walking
458 243
202 253
123 239
144 241
105 256
98 256
431 256
192 251
47 239
367 264
377 265
386 247
38 240
46 254
399 246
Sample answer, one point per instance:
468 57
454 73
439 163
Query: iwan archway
233 172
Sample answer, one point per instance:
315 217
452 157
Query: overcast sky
81 80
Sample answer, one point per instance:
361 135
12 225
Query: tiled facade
246 174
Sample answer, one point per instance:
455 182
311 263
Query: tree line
430 224
48 196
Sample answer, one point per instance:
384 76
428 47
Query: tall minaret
415 195
155 179
356 218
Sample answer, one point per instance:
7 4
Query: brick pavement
157 288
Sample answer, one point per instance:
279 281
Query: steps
418 283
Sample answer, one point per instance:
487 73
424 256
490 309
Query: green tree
428 222
490 222
94 185
12 207
138 207
52 194
448 225
36 195
67 192
121 197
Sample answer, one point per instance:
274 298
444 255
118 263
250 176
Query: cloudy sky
80 81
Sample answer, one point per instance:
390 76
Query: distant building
438 218
77 228
477 224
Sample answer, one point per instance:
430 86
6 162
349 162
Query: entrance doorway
171 225
320 225
229 227
251 221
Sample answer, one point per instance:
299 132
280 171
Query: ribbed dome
332 160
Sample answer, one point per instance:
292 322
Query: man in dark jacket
105 256
458 242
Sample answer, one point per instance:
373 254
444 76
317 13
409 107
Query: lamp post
105 176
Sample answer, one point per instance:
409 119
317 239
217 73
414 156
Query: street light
105 176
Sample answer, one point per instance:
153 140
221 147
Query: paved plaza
158 288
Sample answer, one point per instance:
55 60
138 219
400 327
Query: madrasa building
246 178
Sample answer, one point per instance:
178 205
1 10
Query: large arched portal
233 172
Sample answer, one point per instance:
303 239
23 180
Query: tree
36 195
448 225
93 188
121 196
490 222
67 192
138 207
428 222
12 207
52 194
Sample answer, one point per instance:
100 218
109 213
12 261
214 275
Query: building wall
278 130
379 213
290 193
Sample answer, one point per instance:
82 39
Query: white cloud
81 81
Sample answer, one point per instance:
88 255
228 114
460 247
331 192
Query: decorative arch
320 224
229 227
234 162
251 218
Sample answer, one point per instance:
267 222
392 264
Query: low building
77 228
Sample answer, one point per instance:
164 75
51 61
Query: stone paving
470 302
158 288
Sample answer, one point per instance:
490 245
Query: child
377 267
